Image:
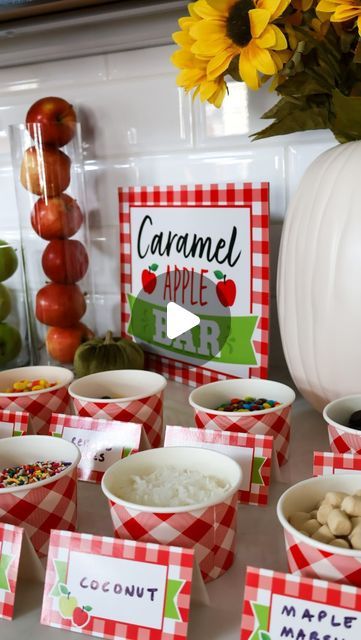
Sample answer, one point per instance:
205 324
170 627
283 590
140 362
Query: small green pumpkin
107 354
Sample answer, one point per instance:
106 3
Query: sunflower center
238 23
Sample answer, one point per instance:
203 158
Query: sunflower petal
267 39
247 71
183 59
204 10
343 13
208 49
259 19
261 59
182 39
208 29
281 41
326 6
222 6
359 25
219 64
275 7
218 96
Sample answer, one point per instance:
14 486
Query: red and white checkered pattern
126 436
40 406
306 560
343 442
180 567
42 508
261 447
262 584
10 545
272 423
210 532
325 463
19 420
145 411
252 195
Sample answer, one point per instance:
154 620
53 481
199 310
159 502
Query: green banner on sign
149 323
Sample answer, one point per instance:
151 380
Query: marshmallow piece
298 518
323 512
335 498
355 538
355 521
311 526
339 523
313 514
323 535
340 542
352 505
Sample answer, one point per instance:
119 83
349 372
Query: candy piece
248 404
323 535
352 505
311 526
298 519
30 473
323 512
335 498
23 386
339 523
340 542
355 538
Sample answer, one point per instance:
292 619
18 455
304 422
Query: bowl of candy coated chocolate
40 391
38 486
321 520
343 417
246 405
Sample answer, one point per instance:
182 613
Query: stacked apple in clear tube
56 217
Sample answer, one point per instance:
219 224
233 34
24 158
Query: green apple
8 260
10 343
5 302
67 604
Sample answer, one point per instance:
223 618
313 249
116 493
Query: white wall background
138 128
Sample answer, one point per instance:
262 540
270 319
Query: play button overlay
187 315
179 320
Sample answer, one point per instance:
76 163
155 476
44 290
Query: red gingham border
60 421
180 566
19 420
262 447
11 539
253 195
261 584
325 463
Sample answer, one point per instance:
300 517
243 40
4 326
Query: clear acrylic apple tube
50 193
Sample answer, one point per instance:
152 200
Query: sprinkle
30 473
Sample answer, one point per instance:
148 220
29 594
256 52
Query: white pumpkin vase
319 278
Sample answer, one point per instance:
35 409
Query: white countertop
259 537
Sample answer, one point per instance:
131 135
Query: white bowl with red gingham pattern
343 439
311 558
47 504
208 527
131 395
268 422
39 404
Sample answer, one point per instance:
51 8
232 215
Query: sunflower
244 28
193 74
342 10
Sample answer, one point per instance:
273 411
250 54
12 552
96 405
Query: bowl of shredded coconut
183 496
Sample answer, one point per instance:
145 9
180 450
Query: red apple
149 279
58 217
80 617
61 342
226 292
56 119
60 305
45 171
65 261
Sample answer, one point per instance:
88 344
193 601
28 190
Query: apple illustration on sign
66 603
226 289
149 279
81 616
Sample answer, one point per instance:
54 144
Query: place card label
327 463
252 452
13 423
17 559
101 442
278 605
116 588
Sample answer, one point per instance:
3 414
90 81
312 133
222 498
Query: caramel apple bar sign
195 278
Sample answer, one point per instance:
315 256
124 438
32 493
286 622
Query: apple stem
108 337
224 278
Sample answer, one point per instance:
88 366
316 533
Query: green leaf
298 120
346 122
87 608
153 267
263 635
219 275
303 84
63 589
